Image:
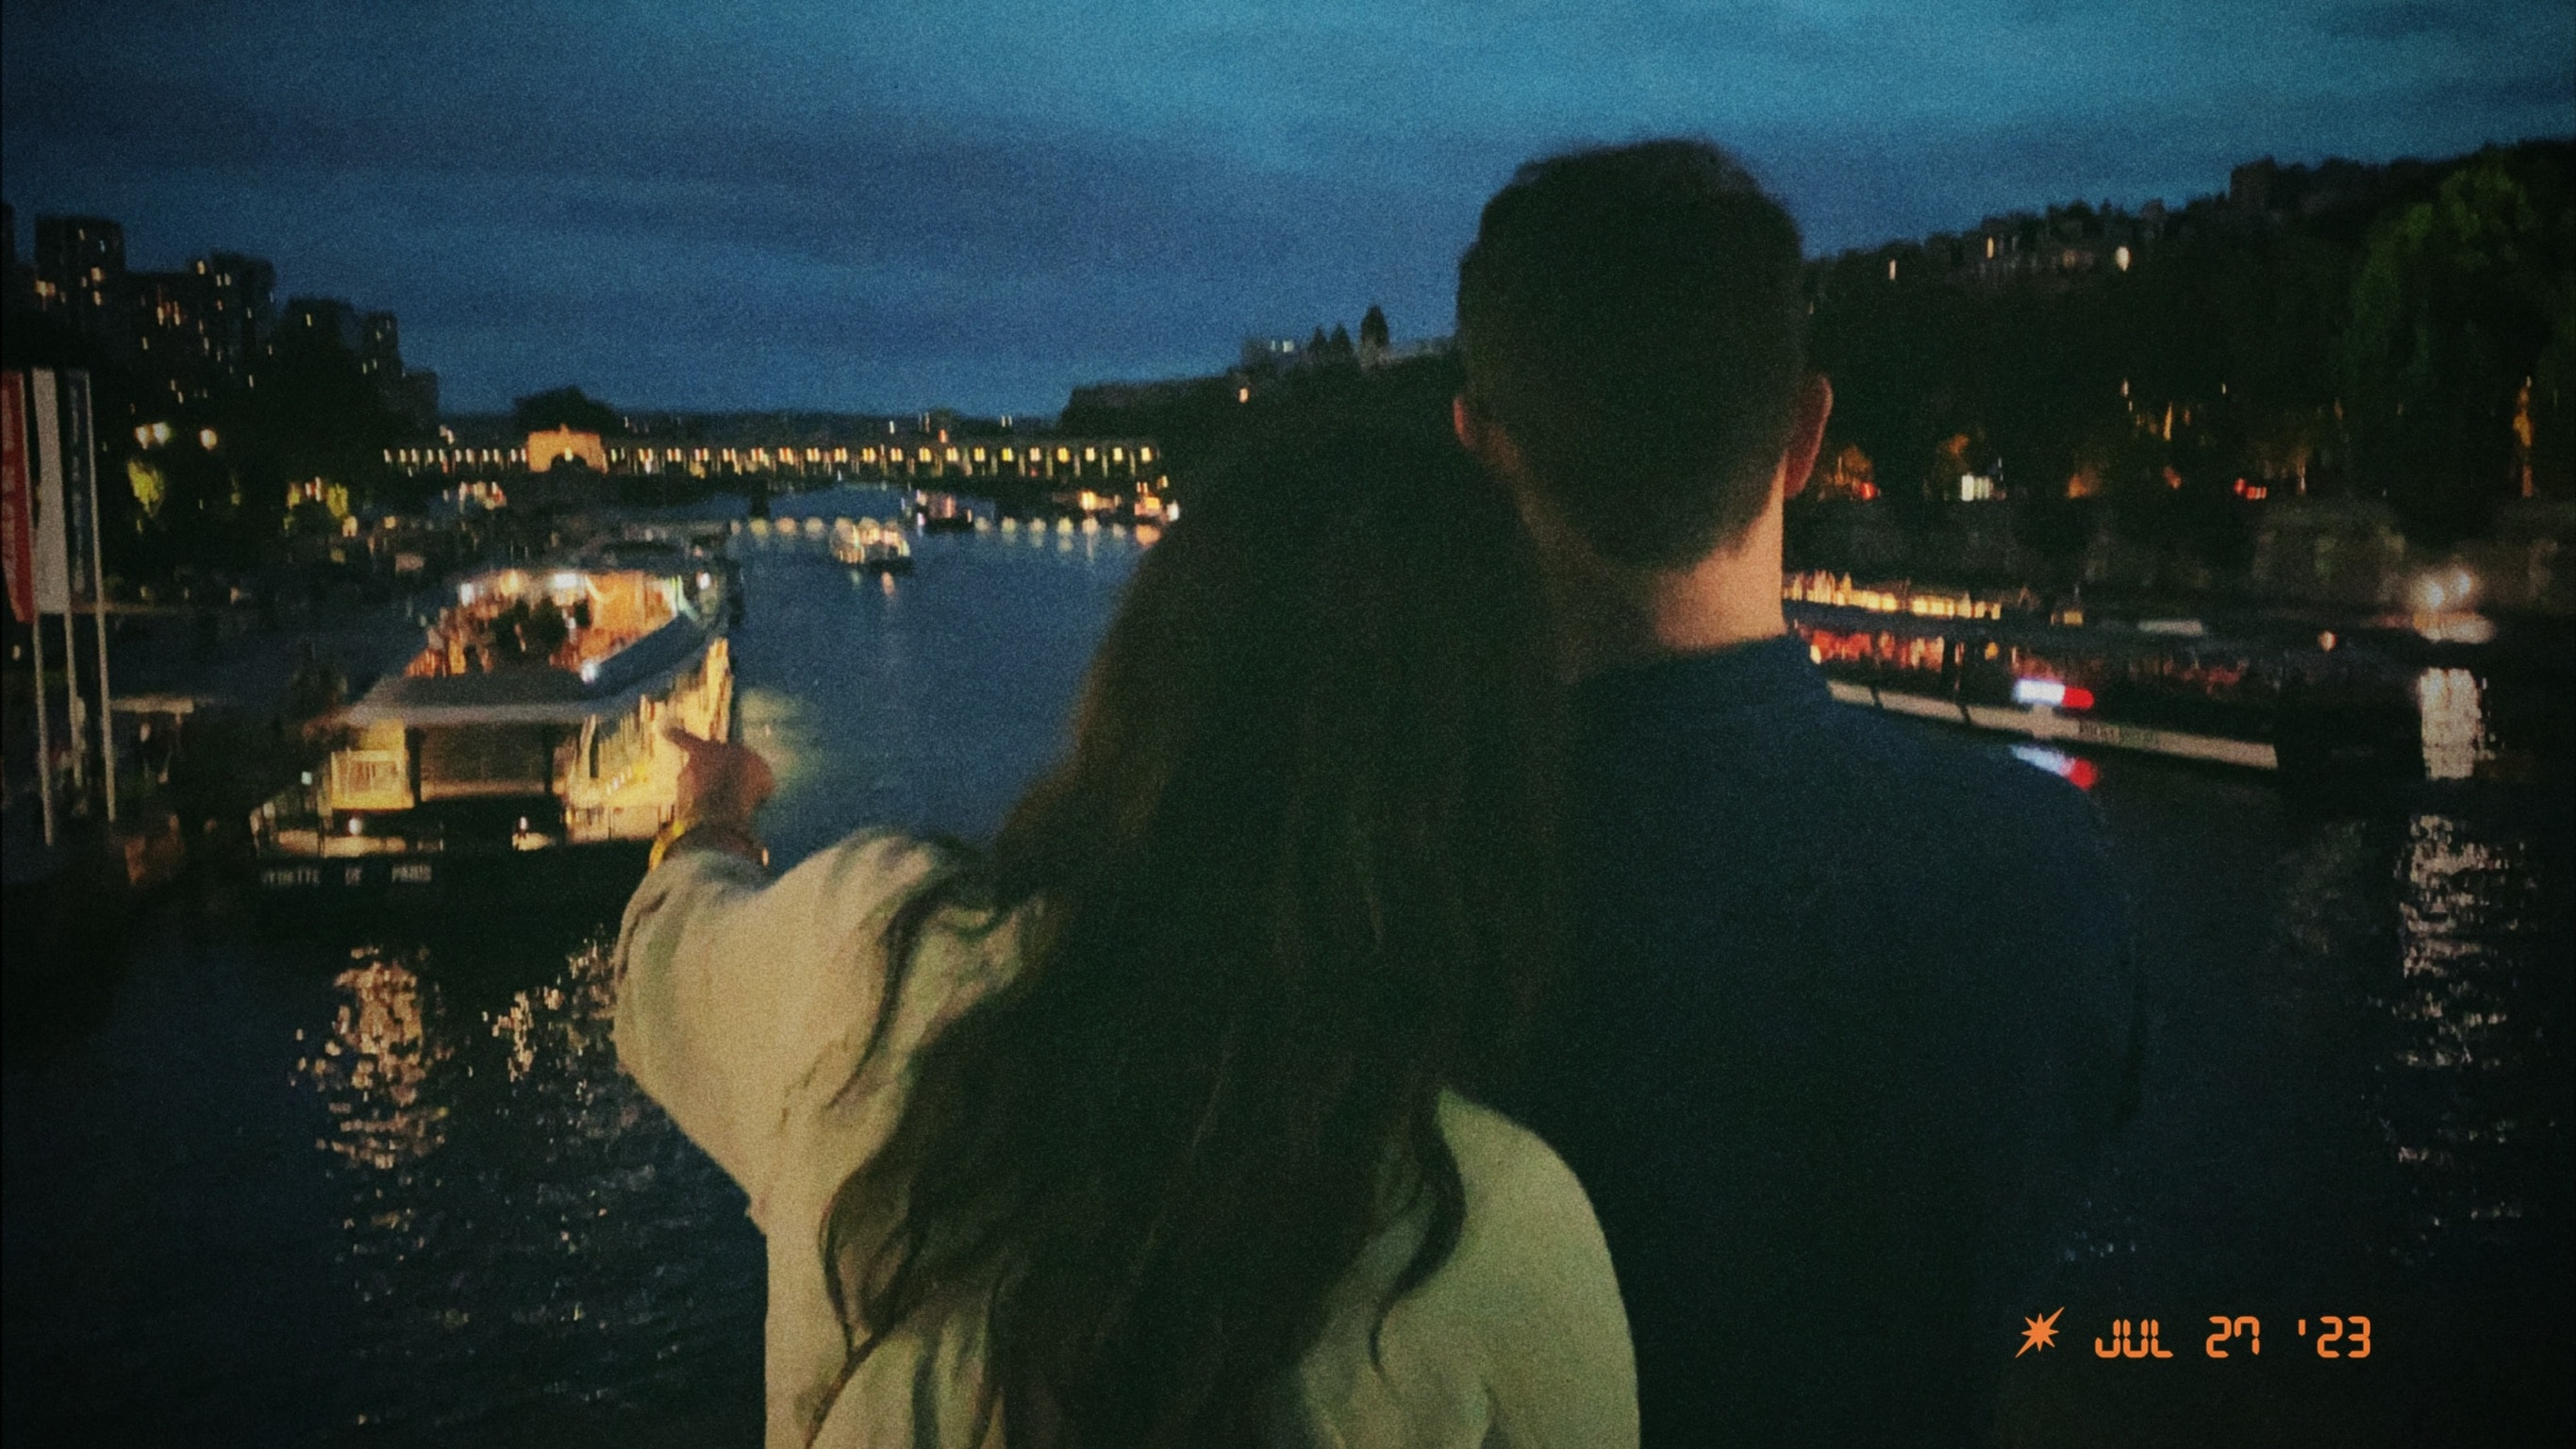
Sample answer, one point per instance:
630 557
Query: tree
564 407
1373 334
2461 337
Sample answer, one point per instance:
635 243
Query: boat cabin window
470 760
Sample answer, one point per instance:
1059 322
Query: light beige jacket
744 1005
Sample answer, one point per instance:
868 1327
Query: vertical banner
80 488
53 557
23 553
17 505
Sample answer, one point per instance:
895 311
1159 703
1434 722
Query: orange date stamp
2336 1336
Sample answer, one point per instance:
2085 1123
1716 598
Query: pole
44 736
82 453
75 718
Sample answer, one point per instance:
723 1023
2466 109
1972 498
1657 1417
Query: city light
2443 590
2051 694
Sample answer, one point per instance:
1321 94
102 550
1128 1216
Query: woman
1141 1129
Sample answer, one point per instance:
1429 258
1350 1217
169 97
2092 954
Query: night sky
893 204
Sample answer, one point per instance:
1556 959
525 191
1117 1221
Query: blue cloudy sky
891 204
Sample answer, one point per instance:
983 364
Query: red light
2082 773
2077 697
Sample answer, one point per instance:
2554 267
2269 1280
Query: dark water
2357 1098
392 1189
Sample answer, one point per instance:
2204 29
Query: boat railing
584 825
317 839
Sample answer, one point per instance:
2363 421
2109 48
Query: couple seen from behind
1467 985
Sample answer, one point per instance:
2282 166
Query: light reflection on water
2452 705
528 1232
2468 1050
372 1066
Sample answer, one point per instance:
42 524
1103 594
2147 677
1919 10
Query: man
1851 1005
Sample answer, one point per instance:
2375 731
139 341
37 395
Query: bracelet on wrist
682 835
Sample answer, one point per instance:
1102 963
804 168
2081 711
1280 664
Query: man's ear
1806 434
1467 425
1485 440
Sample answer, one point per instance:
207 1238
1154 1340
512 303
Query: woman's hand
721 784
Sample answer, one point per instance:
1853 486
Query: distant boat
524 743
941 513
873 546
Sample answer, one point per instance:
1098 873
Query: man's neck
1610 617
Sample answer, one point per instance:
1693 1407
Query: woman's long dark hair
1298 873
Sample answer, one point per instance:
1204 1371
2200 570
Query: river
394 1189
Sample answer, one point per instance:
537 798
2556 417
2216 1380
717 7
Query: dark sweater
1852 1008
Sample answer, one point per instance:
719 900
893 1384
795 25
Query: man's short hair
1633 318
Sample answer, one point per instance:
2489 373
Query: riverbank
2329 557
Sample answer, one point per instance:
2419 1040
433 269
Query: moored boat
2332 707
523 745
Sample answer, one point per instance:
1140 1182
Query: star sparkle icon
2038 1333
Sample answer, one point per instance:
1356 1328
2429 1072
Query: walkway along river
394 1190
